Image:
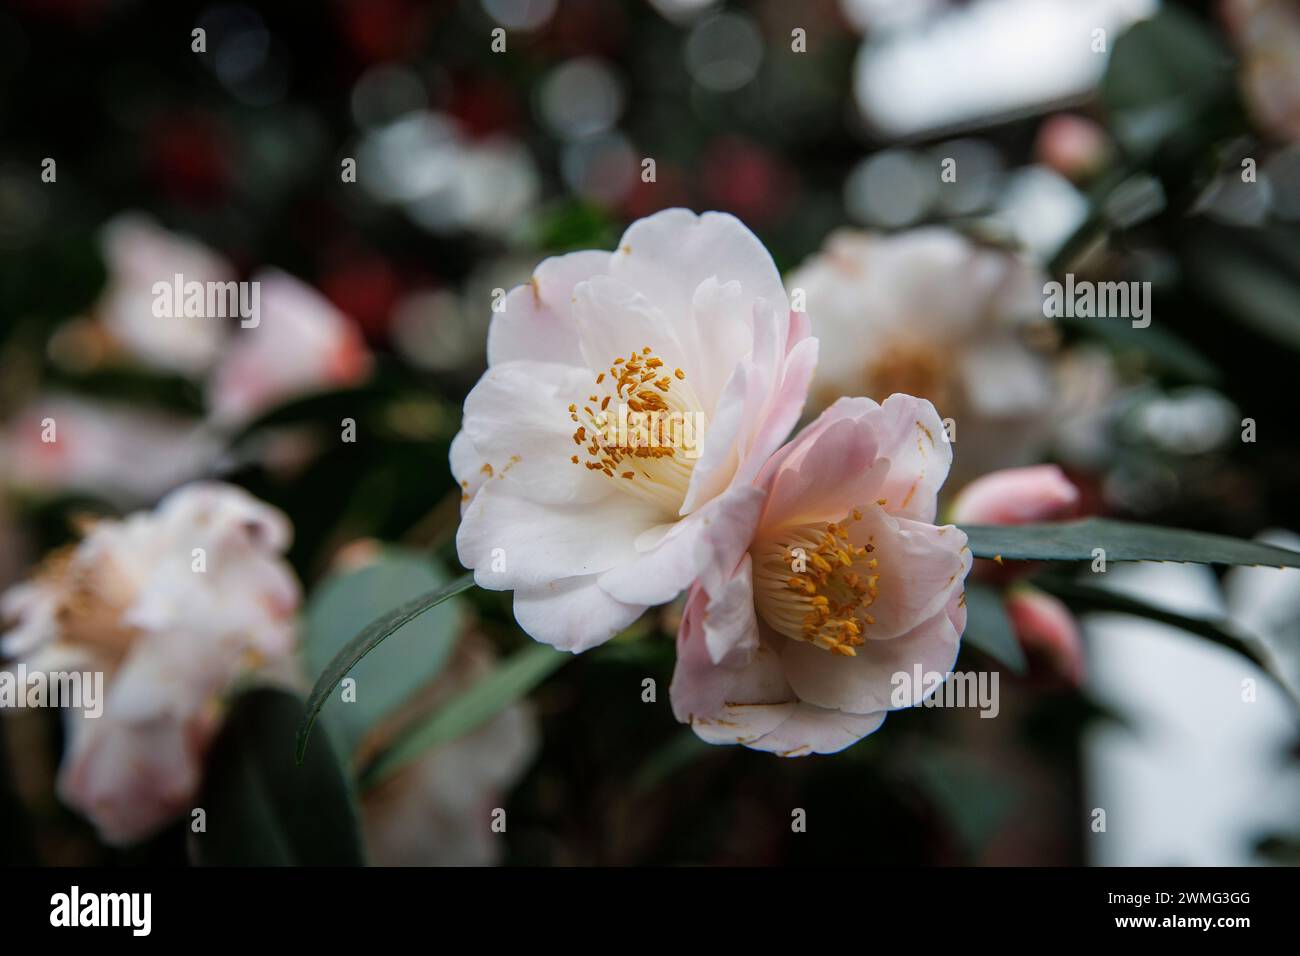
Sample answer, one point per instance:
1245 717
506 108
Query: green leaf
264 810
514 679
367 641
1089 598
1163 76
988 627
1121 541
345 603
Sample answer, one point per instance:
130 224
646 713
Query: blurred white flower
124 454
138 253
128 601
438 810
446 181
931 314
300 345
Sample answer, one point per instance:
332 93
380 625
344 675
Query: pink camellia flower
299 344
1048 634
686 329
172 606
1017 496
794 647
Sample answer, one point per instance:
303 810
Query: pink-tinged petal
715 536
512 542
518 419
815 730
130 778
1017 496
572 614
674 251
726 704
730 624
911 436
784 407
721 333
921 566
760 404
830 468
865 684
536 323
615 321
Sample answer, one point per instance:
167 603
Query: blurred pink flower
1074 146
1048 634
300 344
845 583
128 600
1017 496
122 453
688 318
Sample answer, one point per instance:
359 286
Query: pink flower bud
1049 635
1017 496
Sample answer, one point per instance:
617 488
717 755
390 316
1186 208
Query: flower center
815 585
643 427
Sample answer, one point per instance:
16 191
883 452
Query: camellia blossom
686 332
300 344
847 582
931 314
172 606
139 254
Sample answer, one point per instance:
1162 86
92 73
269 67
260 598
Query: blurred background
1104 138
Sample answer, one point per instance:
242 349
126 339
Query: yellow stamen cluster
819 585
647 450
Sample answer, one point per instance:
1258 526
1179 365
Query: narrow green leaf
344 604
989 628
1121 541
367 641
263 810
515 678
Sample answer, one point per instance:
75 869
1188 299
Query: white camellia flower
171 628
138 254
687 327
931 314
